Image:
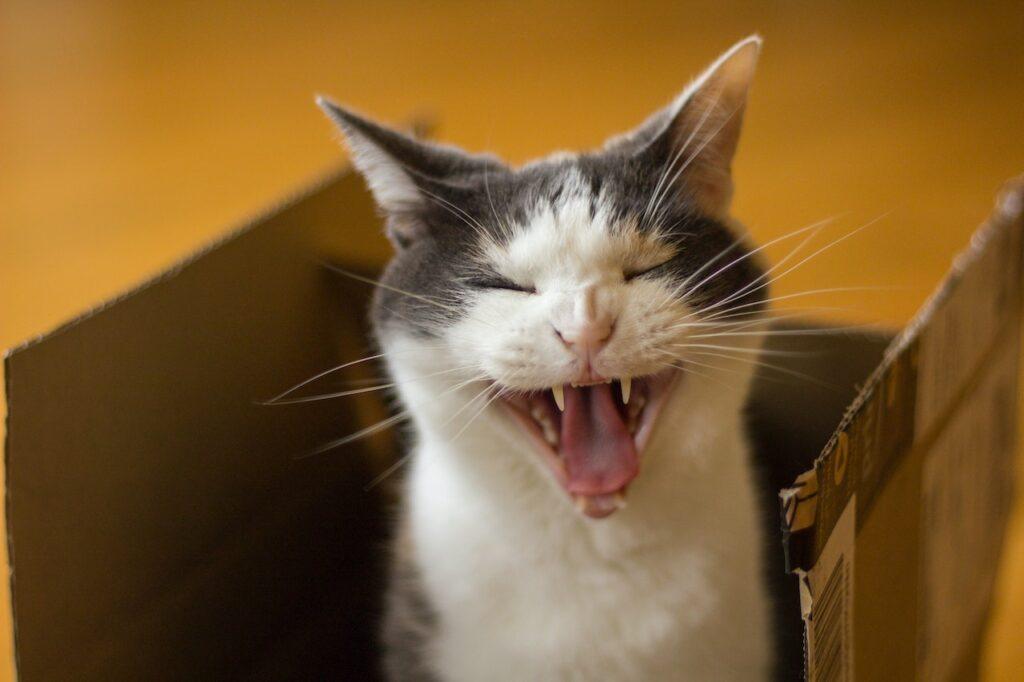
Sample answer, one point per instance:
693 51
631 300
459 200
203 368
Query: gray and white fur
513 290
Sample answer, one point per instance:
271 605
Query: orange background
131 133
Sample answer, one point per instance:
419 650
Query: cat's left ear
405 174
691 142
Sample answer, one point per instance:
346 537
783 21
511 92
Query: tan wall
132 132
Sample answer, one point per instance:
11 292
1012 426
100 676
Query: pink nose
587 330
588 338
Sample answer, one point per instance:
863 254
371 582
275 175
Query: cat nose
587 331
587 339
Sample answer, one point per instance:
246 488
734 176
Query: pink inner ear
705 127
403 230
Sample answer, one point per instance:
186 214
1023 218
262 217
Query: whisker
805 259
771 366
810 292
466 218
400 462
380 478
322 374
654 199
377 283
746 351
469 402
704 375
379 426
366 389
749 254
699 149
477 414
766 275
361 433
457 211
490 200
805 331
752 317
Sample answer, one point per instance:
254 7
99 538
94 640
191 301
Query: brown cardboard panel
922 379
923 466
791 420
885 586
160 525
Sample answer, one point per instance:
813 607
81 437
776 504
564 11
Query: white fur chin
669 588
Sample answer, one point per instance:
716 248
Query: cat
580 502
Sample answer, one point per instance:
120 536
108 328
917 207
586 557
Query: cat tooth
619 500
627 384
549 432
559 397
580 502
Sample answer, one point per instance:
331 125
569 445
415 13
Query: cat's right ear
691 142
405 175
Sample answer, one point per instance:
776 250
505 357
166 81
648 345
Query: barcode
830 647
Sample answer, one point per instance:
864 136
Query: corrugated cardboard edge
9 597
799 501
320 181
421 125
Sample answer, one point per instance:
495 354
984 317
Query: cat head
570 285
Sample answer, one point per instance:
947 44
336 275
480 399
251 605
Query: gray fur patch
410 625
439 265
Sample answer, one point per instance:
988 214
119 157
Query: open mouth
592 436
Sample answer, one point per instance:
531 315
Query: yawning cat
579 503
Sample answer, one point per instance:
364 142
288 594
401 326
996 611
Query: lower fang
549 432
620 500
581 503
637 406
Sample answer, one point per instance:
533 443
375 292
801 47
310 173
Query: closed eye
629 275
495 282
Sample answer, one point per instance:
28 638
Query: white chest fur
670 588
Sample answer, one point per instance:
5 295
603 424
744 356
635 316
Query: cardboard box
896 531
163 524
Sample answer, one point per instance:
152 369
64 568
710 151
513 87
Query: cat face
570 285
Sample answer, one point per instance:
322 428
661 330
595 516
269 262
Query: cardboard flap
160 525
918 478
792 413
925 374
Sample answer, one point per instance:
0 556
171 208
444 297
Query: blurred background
133 132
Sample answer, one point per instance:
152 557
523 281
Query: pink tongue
600 457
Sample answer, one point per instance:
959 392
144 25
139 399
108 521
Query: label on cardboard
966 485
826 596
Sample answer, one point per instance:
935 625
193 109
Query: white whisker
767 365
380 284
753 252
802 261
656 196
362 433
366 389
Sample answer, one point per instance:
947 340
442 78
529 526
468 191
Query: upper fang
559 397
626 383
